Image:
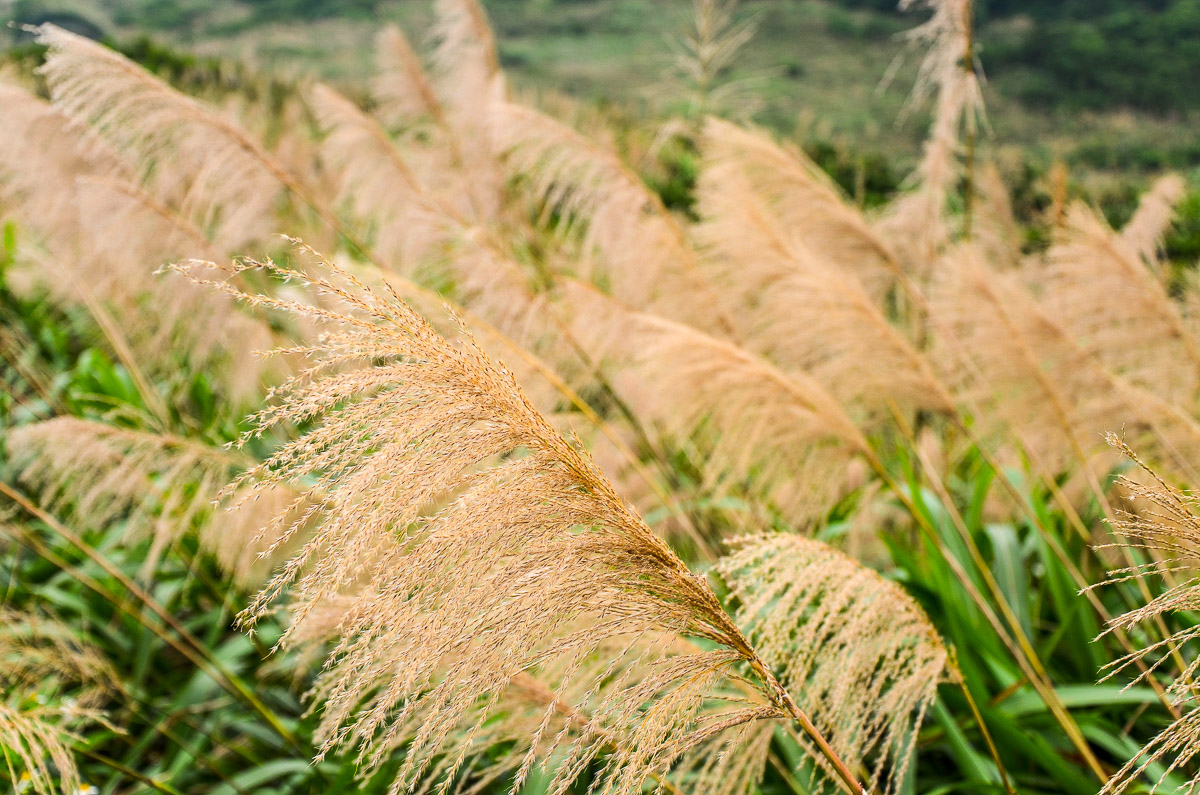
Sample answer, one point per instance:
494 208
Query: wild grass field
423 433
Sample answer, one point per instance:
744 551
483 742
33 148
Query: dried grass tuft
861 656
1096 284
52 684
630 242
803 313
803 201
490 546
781 437
1162 525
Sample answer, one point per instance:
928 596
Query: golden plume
378 183
1095 283
467 76
781 436
1145 230
218 176
402 92
50 684
41 156
1161 523
862 656
631 243
155 484
502 550
1020 369
805 314
1016 366
915 224
170 327
802 200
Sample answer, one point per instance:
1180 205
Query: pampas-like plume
465 57
378 183
128 235
915 224
504 550
1022 370
100 240
101 473
1144 231
501 549
40 159
1164 523
157 484
469 83
1005 357
805 314
803 200
996 230
1096 285
221 178
632 244
39 659
782 436
862 656
402 92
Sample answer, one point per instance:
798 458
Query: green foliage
1081 54
1183 241
1128 56
868 177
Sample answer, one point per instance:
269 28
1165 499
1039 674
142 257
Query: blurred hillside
1101 84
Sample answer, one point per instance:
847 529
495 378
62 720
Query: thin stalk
1018 643
983 729
192 648
128 772
968 67
1055 546
784 700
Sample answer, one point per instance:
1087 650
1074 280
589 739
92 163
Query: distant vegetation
1092 53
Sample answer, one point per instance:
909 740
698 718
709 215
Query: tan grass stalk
157 485
465 57
221 178
995 228
805 314
128 236
400 87
51 684
467 77
377 184
915 224
1021 368
1156 211
96 240
630 241
782 436
862 656
805 203
40 159
505 550
1096 284
103 238
1163 522
1073 399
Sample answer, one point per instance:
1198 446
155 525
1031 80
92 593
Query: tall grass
545 487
